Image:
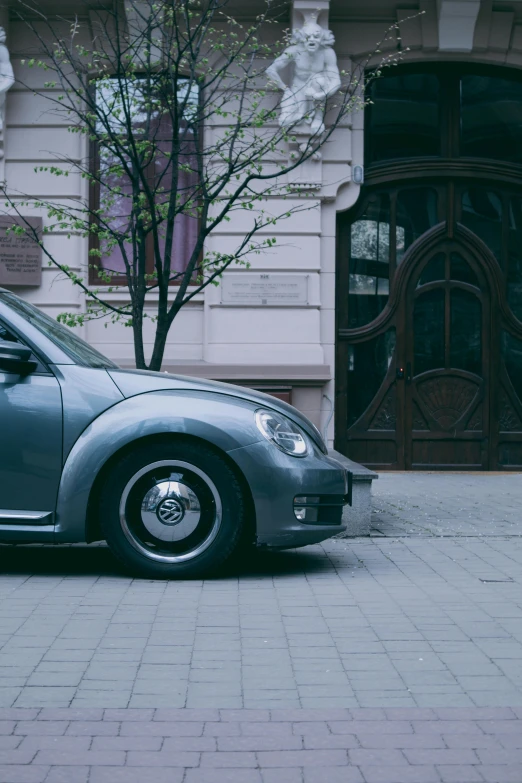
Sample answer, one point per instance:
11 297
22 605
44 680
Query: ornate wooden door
444 355
429 330
429 275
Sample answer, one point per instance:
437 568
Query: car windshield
80 351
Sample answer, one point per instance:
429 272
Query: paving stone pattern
260 746
454 504
396 658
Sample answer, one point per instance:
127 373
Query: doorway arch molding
421 247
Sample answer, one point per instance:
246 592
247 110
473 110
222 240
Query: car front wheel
172 510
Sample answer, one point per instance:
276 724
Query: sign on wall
20 256
247 288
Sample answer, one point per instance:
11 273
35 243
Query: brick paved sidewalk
261 746
396 658
408 622
449 504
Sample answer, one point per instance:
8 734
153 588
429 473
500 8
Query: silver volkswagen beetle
175 473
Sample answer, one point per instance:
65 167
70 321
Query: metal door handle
408 372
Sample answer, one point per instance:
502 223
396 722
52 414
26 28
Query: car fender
226 423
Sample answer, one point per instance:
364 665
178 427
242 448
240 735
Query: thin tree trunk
137 329
160 342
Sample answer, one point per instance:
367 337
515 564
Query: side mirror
15 358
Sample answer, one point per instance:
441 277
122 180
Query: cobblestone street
455 504
392 658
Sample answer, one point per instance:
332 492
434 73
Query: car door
30 443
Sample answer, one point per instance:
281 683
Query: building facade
403 341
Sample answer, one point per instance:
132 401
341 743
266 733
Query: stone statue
315 76
7 80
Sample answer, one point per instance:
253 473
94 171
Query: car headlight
282 432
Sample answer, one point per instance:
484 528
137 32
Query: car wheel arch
93 530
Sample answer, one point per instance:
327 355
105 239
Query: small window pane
514 278
363 285
482 214
466 331
404 117
371 240
369 262
461 270
416 213
428 328
367 368
153 126
491 118
434 270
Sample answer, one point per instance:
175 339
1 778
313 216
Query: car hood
133 382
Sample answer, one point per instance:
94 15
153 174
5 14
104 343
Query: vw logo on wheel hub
170 512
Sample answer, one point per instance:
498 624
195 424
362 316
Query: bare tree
181 120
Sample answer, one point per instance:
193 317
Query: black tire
146 492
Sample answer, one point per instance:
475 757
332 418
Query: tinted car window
5 335
9 337
78 350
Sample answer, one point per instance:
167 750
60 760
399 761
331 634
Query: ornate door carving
446 308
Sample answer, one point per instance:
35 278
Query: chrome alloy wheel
170 511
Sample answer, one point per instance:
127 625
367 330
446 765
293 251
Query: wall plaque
247 288
20 256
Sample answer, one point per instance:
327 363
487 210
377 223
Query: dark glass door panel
368 365
511 352
372 423
434 270
460 270
369 276
465 331
452 112
514 270
491 117
373 241
482 214
428 330
417 212
404 117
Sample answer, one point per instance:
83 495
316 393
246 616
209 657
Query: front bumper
276 479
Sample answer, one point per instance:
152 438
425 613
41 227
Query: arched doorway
429 291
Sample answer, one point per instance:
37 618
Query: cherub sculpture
315 76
